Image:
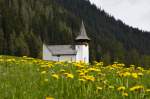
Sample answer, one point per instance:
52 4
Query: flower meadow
29 78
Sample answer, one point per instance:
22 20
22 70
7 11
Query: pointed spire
83 34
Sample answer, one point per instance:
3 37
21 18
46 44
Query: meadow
29 78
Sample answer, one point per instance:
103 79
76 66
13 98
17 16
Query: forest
26 24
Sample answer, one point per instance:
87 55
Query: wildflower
134 75
136 88
83 80
124 94
115 62
1 60
90 78
81 74
126 74
49 65
24 56
62 70
43 66
147 90
140 74
121 88
99 88
79 65
55 76
43 72
140 68
49 97
132 65
70 76
121 65
94 69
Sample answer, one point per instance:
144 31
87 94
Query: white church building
74 53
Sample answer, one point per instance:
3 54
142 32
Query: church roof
62 49
83 34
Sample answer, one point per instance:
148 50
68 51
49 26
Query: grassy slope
28 78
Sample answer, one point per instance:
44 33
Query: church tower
82 46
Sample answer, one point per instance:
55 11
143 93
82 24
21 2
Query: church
73 53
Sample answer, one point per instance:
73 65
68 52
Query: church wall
47 55
82 53
70 58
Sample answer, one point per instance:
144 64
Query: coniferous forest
26 24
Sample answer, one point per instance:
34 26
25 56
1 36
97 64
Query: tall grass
28 78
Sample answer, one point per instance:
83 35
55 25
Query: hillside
25 24
29 78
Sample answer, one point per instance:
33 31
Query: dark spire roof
83 34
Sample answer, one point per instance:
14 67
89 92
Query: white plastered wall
82 53
47 55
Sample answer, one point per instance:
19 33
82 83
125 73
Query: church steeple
83 35
82 46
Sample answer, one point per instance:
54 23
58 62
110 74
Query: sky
135 13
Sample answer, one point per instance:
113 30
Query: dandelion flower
126 74
43 72
121 88
49 98
99 88
147 90
68 75
140 74
124 94
83 80
134 75
55 76
136 88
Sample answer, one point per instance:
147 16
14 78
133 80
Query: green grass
22 78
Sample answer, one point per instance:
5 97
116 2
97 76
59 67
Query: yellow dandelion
49 97
68 75
136 88
140 74
43 72
62 70
83 80
81 74
115 62
121 88
125 94
134 75
140 68
55 76
43 66
49 65
126 74
99 88
90 78
147 90
132 65
24 56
